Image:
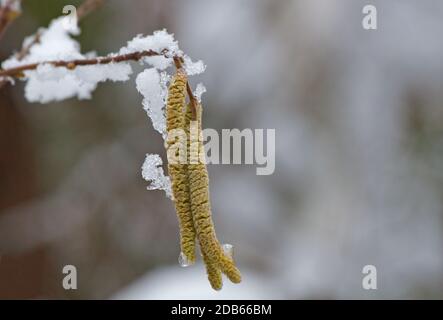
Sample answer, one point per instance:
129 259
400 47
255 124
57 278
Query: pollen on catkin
214 257
178 172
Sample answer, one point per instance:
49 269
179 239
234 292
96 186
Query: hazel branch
7 15
17 72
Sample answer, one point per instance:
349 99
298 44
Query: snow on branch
86 8
71 64
54 69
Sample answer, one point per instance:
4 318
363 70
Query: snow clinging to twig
152 85
160 41
59 75
152 172
49 83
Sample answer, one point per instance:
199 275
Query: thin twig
17 72
7 15
87 7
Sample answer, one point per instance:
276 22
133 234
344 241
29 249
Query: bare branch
87 7
17 72
7 15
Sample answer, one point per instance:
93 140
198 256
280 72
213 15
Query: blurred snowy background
359 155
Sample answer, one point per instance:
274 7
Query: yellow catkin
212 269
228 267
214 257
178 172
214 274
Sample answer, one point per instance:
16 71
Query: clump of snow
55 44
49 83
193 68
99 73
152 85
152 171
199 90
160 41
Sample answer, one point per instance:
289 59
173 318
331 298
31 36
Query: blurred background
358 116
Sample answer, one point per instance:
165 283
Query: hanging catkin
214 257
190 185
214 274
178 171
212 269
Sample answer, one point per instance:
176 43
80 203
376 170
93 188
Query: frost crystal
199 90
193 68
152 172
